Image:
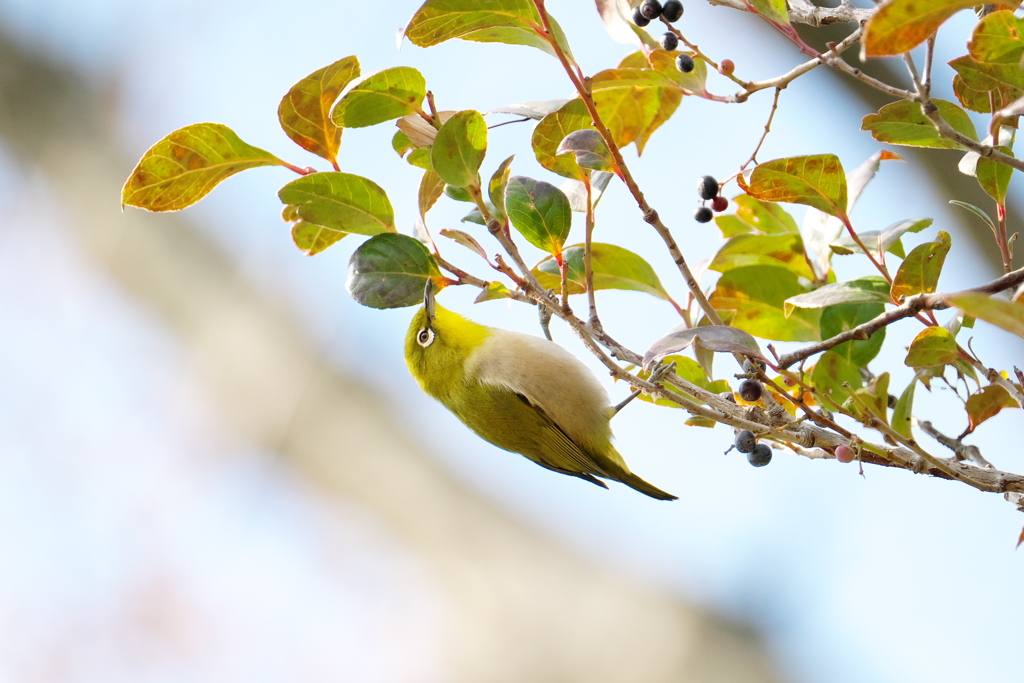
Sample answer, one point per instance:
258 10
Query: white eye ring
425 337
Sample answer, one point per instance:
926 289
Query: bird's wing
562 453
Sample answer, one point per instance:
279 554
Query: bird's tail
635 482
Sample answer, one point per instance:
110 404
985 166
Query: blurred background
215 467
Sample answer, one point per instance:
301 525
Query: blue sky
852 579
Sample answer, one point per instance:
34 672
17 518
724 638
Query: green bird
519 392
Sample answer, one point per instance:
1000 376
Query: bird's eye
425 337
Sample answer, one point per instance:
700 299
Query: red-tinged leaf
1020 539
390 271
919 272
305 111
1008 315
312 239
903 123
182 168
379 97
932 346
817 181
630 101
987 403
901 25
550 132
459 148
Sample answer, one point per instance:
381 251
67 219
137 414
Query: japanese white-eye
519 392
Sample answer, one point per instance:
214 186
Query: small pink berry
726 67
844 453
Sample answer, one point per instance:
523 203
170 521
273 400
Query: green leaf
691 371
341 201
817 181
496 188
379 97
784 250
431 189
305 111
1008 315
932 346
903 412
987 403
757 294
182 168
753 214
980 213
872 289
830 373
881 241
841 317
312 239
875 396
459 194
994 177
494 290
772 10
919 272
997 39
539 211
459 148
390 271
590 150
901 25
514 22
550 132
664 62
613 267
903 123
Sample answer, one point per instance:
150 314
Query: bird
522 393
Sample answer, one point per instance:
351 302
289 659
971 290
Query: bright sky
888 578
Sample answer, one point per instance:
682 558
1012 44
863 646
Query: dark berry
745 441
719 204
844 453
672 11
639 19
669 41
703 214
650 9
760 456
685 63
707 187
728 396
726 67
750 390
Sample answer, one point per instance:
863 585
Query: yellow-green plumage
519 392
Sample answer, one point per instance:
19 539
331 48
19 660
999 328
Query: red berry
844 453
726 67
719 204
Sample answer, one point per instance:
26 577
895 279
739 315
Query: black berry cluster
758 454
649 10
707 189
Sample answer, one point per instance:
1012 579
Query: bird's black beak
428 300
